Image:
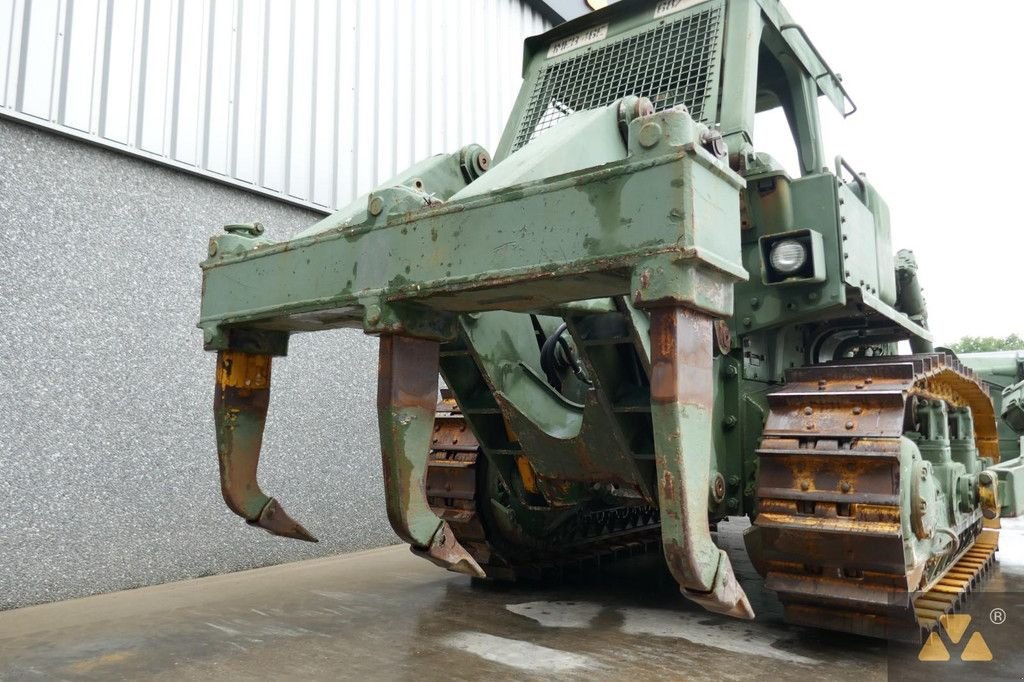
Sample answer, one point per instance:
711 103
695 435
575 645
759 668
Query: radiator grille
674 63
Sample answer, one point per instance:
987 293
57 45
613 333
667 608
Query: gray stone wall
108 467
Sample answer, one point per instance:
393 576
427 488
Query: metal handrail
842 163
828 69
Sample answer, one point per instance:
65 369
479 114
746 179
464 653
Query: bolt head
714 143
644 107
649 135
719 488
376 206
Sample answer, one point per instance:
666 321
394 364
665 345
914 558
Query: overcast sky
940 86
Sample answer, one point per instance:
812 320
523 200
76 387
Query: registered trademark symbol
997 616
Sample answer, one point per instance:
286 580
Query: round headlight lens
788 256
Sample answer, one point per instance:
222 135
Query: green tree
987 344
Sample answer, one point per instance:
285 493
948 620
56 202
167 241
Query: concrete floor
385 614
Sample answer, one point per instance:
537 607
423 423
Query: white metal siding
314 101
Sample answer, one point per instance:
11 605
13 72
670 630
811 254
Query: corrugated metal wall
314 101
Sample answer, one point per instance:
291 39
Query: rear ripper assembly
645 325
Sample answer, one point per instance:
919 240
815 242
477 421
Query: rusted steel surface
682 401
406 394
452 480
240 403
830 532
988 495
406 397
445 551
937 375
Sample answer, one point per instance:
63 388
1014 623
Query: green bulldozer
644 325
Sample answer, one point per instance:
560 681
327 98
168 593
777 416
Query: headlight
788 256
796 257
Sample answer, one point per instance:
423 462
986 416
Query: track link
455 493
830 538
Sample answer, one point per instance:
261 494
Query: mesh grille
672 64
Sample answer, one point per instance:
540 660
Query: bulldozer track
589 540
830 506
828 498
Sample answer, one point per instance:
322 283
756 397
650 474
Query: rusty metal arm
406 401
682 398
240 414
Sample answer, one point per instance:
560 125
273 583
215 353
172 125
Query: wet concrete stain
385 614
